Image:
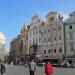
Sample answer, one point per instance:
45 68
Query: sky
14 13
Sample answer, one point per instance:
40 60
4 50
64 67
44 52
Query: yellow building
2 45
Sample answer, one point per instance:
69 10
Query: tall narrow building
2 45
34 38
53 37
70 37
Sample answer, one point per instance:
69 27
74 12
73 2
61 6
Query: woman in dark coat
2 67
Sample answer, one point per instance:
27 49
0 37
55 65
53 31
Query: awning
50 58
69 58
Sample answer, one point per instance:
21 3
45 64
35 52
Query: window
59 28
52 18
44 51
33 41
51 39
71 46
70 27
34 33
49 30
39 39
54 50
25 46
60 50
39 31
36 40
60 37
54 28
44 31
55 38
39 48
71 35
44 40
48 39
49 51
30 41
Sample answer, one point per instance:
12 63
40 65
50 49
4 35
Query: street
21 70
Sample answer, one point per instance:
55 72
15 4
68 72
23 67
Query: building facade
15 48
2 45
34 38
24 40
42 39
53 36
19 45
48 35
70 36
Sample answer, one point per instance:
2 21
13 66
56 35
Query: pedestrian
68 64
2 68
26 64
32 67
48 69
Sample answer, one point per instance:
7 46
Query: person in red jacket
48 69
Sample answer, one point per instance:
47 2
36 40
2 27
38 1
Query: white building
34 37
48 35
2 45
53 45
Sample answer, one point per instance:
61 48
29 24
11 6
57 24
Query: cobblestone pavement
21 70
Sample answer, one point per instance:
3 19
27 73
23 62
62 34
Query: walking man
32 67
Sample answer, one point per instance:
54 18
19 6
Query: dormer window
52 18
